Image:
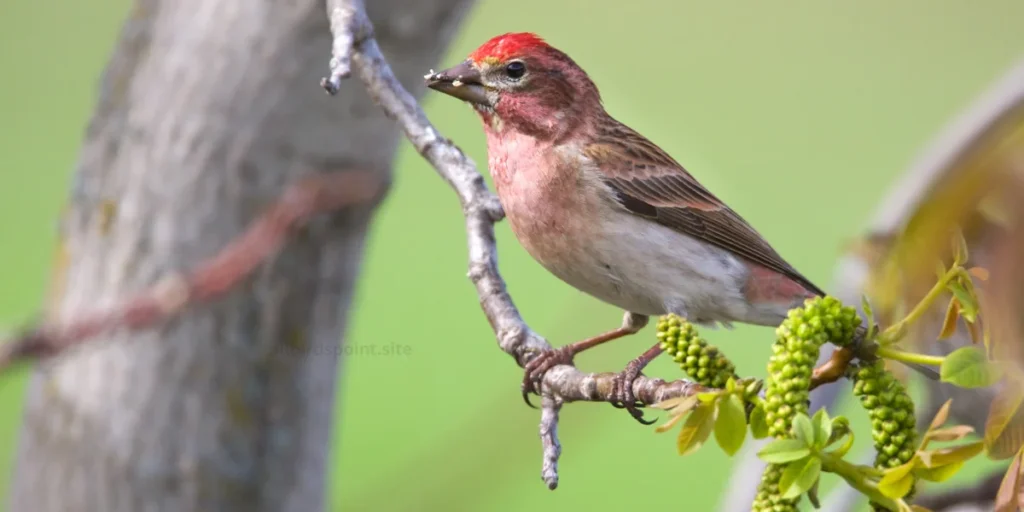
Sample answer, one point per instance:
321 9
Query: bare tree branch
211 280
356 50
552 448
833 369
206 119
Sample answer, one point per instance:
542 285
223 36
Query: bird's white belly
569 223
643 267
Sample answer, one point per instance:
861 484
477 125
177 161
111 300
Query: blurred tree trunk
207 111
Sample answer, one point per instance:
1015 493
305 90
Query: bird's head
517 80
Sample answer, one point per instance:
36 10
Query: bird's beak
462 82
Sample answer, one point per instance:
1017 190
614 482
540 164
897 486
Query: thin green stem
857 479
896 331
909 357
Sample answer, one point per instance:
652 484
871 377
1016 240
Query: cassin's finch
606 210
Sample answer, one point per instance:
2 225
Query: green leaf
803 429
679 402
679 408
697 428
781 451
968 367
758 423
869 315
665 427
708 397
840 428
812 495
968 304
1004 428
751 388
822 428
845 448
951 455
799 476
898 481
731 425
940 473
960 252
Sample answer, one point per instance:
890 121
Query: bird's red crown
505 46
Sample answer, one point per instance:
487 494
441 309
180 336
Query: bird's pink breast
541 195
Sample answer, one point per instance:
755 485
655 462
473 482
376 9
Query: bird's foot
624 398
540 364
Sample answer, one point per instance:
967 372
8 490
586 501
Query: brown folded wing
648 182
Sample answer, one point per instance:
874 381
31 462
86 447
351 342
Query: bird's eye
515 69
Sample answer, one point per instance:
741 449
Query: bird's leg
541 363
624 383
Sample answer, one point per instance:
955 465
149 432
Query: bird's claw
539 365
623 392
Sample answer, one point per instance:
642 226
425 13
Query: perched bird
606 210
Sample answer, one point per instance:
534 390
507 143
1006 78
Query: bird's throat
489 117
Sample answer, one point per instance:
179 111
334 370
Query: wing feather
649 182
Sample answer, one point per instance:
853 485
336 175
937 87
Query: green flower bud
905 455
891 411
789 371
768 497
702 362
898 439
785 410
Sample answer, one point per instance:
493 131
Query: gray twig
355 49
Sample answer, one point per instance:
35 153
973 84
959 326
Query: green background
799 114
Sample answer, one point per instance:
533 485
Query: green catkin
891 410
702 362
768 496
799 339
